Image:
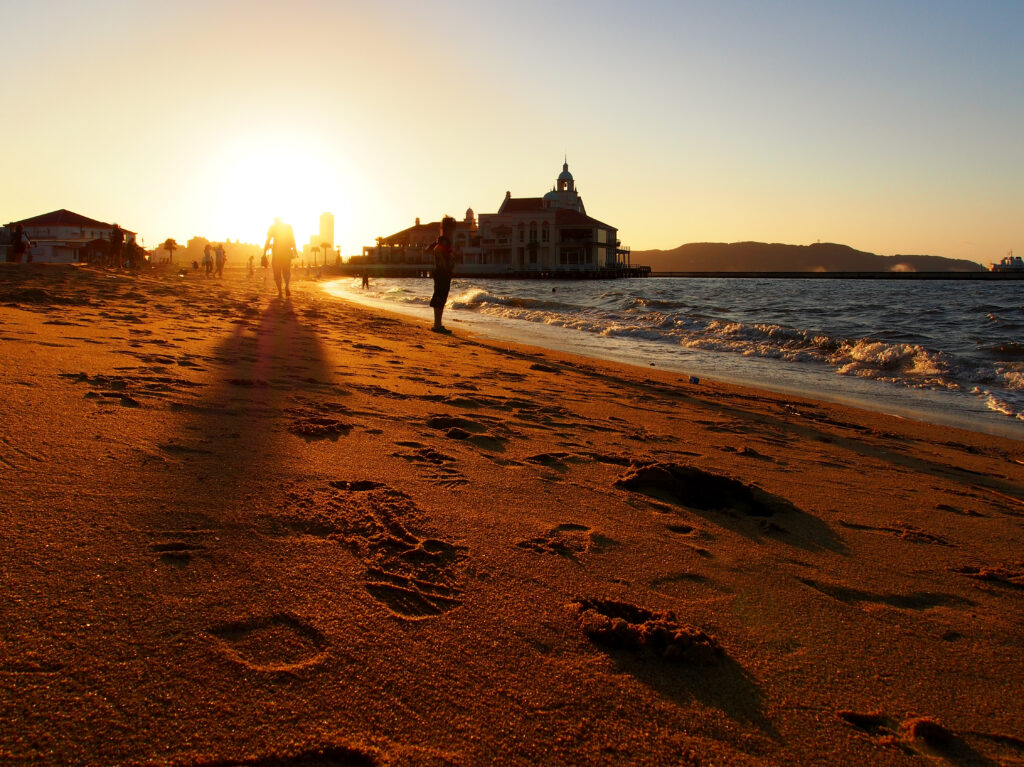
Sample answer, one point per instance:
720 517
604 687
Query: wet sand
242 531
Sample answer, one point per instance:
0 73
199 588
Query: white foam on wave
686 324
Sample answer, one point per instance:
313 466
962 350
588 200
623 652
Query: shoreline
238 530
901 402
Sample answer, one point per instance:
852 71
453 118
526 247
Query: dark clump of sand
620 625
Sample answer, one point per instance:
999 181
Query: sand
240 531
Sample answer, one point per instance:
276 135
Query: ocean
946 352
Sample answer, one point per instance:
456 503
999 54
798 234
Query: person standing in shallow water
283 239
444 265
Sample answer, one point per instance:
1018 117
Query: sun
292 175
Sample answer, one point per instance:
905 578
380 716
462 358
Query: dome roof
565 175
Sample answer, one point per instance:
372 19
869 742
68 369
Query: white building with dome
545 234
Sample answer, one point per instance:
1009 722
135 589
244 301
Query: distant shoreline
851 275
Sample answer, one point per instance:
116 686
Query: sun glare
291 176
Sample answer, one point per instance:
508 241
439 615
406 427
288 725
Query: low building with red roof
64 237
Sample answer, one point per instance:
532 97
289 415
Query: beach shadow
723 685
268 374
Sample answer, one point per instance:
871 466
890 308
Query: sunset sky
893 127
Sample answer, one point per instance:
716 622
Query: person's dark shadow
233 438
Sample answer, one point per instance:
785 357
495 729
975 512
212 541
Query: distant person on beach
252 267
283 239
220 259
208 259
366 277
444 265
195 266
116 243
20 244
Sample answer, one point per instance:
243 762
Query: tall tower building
326 229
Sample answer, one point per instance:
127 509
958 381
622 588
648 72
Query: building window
545 232
522 232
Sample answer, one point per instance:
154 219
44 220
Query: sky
894 127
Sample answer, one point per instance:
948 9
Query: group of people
214 259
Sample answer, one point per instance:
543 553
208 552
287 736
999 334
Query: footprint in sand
557 461
469 430
435 464
272 643
131 389
682 584
917 600
570 541
312 427
328 756
928 737
905 532
1011 576
177 553
410 573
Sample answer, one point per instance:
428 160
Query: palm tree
170 246
325 249
314 250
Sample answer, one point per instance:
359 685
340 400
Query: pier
379 271
848 275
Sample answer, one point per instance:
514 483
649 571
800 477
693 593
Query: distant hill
775 257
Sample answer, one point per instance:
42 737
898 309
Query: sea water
949 352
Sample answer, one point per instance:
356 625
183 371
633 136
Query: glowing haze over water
893 127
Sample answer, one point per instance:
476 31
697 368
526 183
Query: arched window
533 231
545 232
522 232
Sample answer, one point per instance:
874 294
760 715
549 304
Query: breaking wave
958 337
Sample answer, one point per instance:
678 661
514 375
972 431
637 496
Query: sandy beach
239 531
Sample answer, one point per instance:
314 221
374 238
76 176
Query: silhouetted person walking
208 259
444 265
220 258
283 239
19 245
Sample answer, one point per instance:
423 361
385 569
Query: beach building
408 247
315 249
64 237
527 236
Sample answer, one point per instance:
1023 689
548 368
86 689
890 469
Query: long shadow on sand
234 437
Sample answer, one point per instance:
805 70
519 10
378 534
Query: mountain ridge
779 257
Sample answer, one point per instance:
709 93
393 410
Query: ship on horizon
1010 263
